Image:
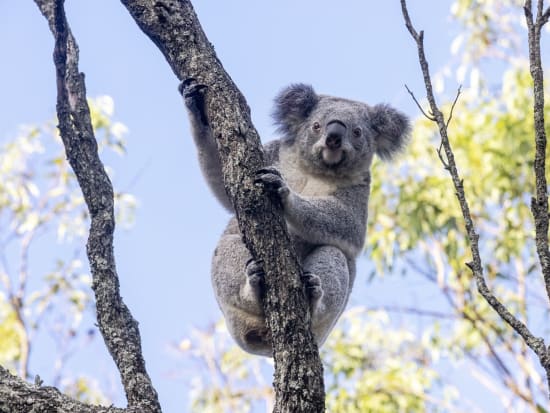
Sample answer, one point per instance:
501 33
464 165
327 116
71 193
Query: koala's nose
335 133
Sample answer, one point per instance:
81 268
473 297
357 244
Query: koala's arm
209 160
338 219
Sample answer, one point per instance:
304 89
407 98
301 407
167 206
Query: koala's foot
272 181
314 290
255 273
194 95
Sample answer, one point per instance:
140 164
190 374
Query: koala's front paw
255 272
314 290
194 95
190 88
272 181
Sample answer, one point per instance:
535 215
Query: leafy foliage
416 224
374 367
370 366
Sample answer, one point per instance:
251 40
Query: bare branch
540 7
18 396
120 331
535 343
545 16
408 22
539 203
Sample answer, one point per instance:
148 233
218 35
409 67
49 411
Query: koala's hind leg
236 280
328 276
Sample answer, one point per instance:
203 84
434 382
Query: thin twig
419 105
453 106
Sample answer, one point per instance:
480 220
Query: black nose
335 133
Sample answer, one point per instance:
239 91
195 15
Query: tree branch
535 343
119 329
19 396
175 29
539 203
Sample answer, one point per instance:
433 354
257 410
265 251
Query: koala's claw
190 87
184 84
269 170
254 267
271 180
255 273
314 290
194 95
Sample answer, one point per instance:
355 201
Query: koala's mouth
332 158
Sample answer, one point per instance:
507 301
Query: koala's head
338 136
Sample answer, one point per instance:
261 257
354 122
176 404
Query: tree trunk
175 29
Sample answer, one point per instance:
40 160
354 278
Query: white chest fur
302 181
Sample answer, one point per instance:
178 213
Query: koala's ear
392 128
292 106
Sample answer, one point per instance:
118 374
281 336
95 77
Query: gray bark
175 29
539 203
18 396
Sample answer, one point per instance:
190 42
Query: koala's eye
357 132
316 127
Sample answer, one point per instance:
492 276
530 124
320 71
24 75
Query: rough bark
540 203
173 26
118 328
18 396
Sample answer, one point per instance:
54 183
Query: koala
319 170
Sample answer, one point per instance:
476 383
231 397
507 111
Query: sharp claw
251 260
189 86
268 170
185 83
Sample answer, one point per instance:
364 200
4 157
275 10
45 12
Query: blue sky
355 49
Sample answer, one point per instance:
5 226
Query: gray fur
320 171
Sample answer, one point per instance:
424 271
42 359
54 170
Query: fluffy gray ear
292 106
392 130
